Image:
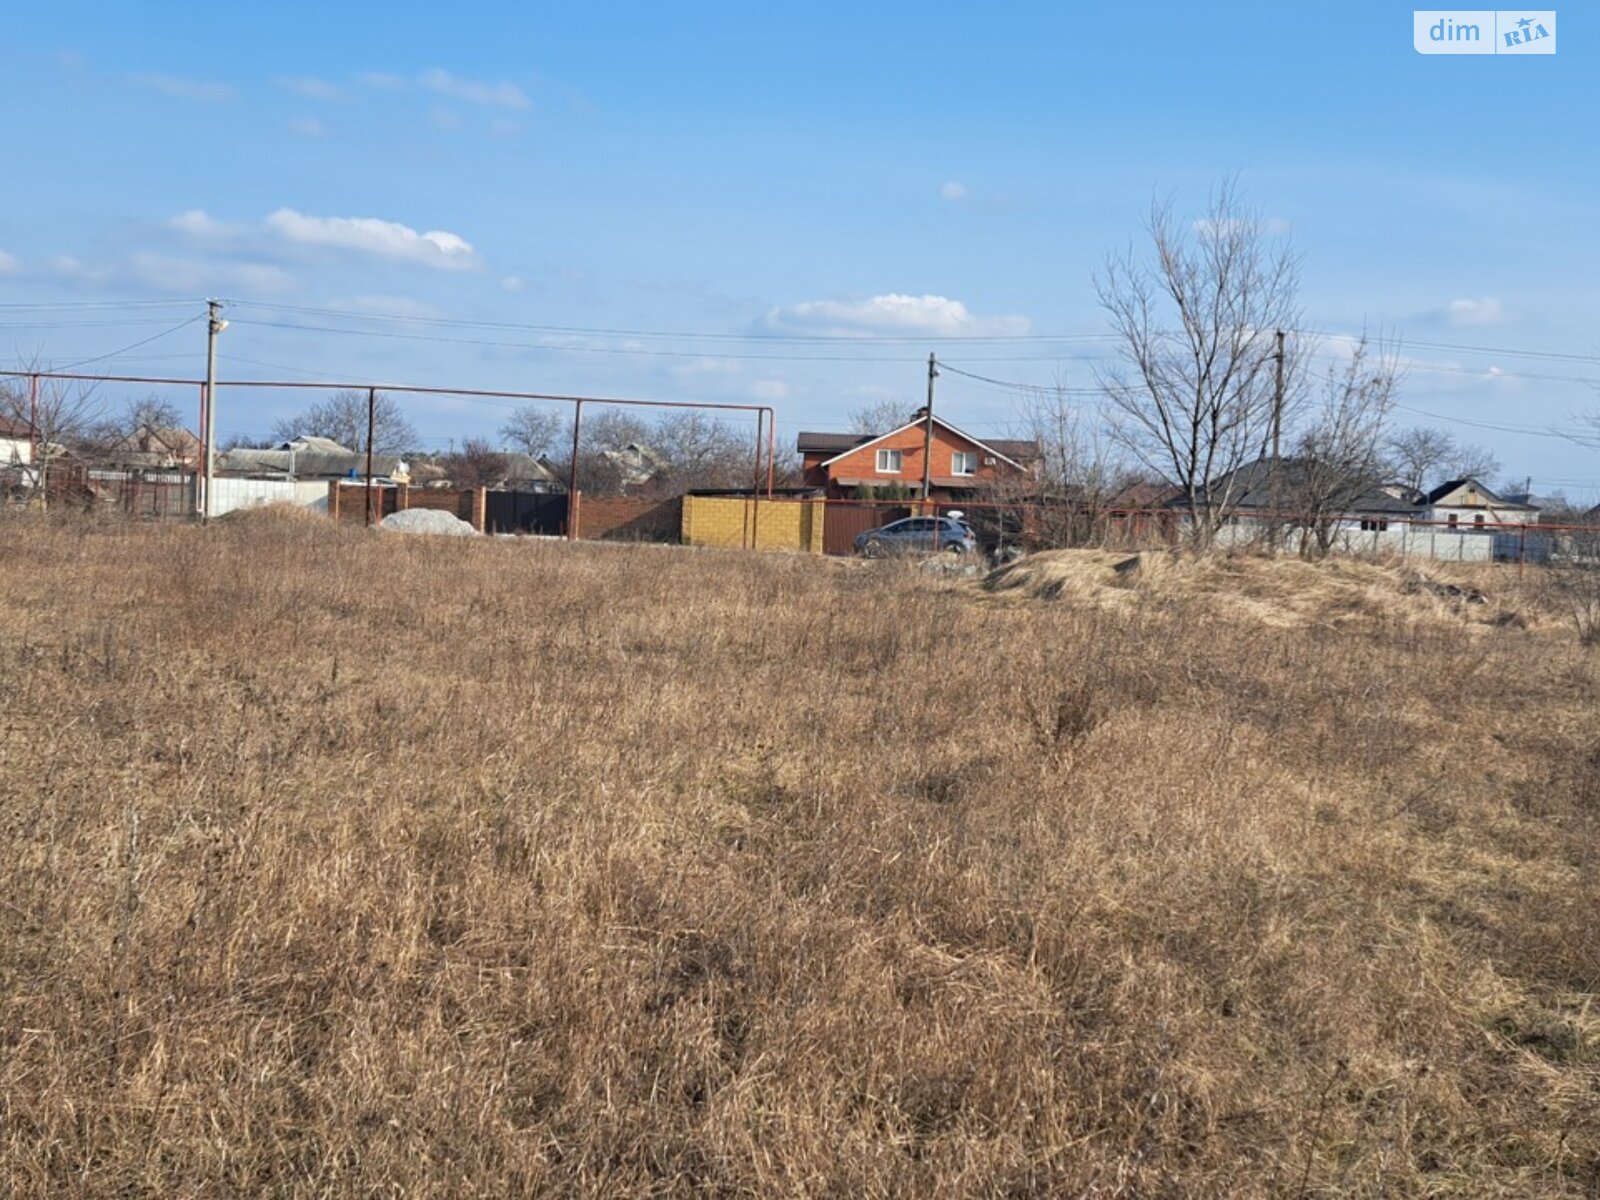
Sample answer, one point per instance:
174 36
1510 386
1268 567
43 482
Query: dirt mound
1281 591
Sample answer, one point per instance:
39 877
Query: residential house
635 464
963 467
524 473
1254 493
16 442
1466 503
151 447
308 458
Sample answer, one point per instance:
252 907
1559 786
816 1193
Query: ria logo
1484 31
1527 32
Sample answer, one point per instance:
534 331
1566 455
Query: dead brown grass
337 864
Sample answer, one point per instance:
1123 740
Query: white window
888 462
964 462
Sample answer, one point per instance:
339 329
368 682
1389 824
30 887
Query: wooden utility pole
372 425
572 473
927 436
1274 491
35 463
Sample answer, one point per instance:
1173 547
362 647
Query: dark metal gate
525 512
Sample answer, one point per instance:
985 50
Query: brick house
964 467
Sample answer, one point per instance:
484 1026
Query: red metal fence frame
766 415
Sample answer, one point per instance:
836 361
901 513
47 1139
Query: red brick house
964 467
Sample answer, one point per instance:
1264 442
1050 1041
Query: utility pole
927 436
35 463
572 473
214 325
372 424
1277 432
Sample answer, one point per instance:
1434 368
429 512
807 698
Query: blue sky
762 181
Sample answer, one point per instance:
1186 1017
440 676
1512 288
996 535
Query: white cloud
186 89
436 248
954 191
73 270
198 223
307 127
1484 311
170 273
769 390
511 283
928 316
187 275
309 86
502 95
8 263
442 83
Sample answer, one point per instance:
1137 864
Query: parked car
914 535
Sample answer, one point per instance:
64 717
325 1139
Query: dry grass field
343 863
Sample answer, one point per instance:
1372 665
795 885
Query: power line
1522 430
143 342
74 305
1027 387
676 335
622 350
862 338
777 336
122 324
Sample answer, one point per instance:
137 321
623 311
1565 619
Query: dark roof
1021 449
1251 488
830 443
10 428
1490 498
1144 495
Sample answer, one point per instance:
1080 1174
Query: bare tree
146 412
343 417
62 413
535 431
1080 469
602 434
703 451
1473 462
477 464
1422 455
1075 454
880 416
1338 455
153 412
1193 400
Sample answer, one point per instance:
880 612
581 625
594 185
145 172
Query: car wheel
873 548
